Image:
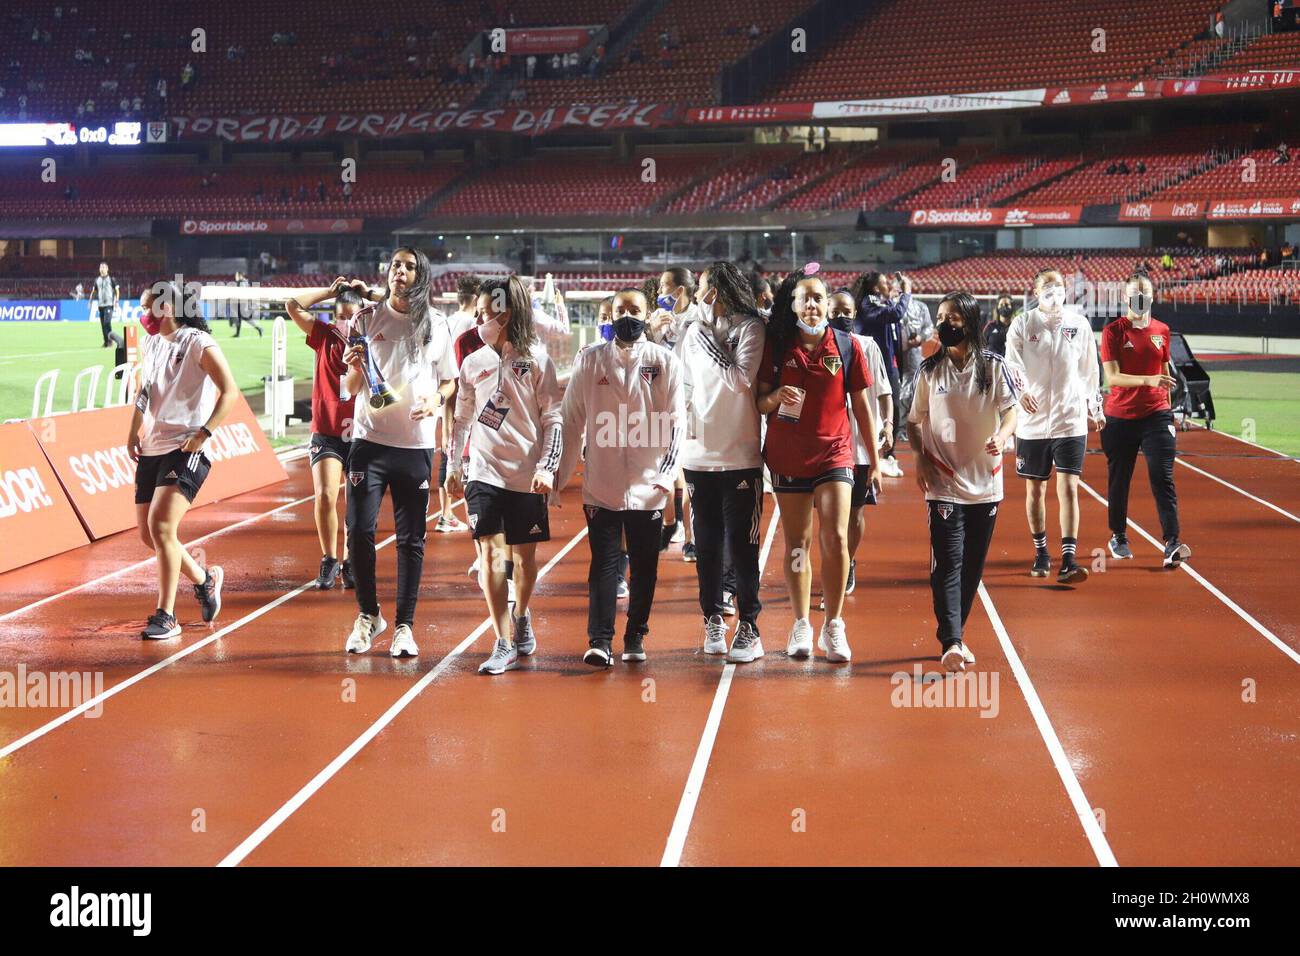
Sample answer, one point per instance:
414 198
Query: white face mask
1051 299
490 331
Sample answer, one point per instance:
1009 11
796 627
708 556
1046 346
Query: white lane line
1200 579
695 779
139 564
117 688
1245 441
274 821
1083 810
1240 491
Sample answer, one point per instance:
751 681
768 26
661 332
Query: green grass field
1267 401
29 349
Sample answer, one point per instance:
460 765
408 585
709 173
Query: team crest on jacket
945 511
521 368
832 364
650 372
1158 341
1068 332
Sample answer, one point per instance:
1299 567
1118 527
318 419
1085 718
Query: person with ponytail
392 446
1135 354
722 457
813 379
962 418
508 430
186 390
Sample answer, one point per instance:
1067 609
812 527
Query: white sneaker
967 654
364 632
715 635
800 643
745 646
623 590
833 641
679 533
403 643
890 468
473 569
504 657
954 658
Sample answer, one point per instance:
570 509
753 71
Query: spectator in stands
1288 251
530 66
320 190
1264 258
347 190
754 31
79 291
1141 167
187 76
1218 24
1166 261
302 192
1283 155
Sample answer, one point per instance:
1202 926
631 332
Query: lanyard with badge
498 406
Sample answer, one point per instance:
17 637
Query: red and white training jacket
627 407
508 417
1056 363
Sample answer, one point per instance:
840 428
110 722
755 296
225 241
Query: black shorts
329 446
1035 457
180 468
789 484
521 515
863 493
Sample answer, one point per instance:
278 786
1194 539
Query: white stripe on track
1096 838
1246 441
1240 491
274 821
695 779
139 564
1200 579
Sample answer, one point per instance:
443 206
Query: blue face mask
812 329
666 301
607 331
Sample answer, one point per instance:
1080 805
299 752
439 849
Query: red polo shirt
822 438
1138 352
330 414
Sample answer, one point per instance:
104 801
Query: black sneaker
328 574
600 653
1119 549
633 648
688 552
348 583
160 626
1042 565
208 594
666 536
1176 553
852 582
1071 573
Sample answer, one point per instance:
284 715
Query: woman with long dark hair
812 378
508 433
186 390
392 445
962 417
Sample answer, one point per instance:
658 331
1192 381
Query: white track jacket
627 407
1056 363
722 420
508 406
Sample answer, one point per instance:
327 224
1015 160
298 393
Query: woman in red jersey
811 379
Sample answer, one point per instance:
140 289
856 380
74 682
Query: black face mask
1006 311
841 322
950 335
629 329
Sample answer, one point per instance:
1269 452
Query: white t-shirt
460 322
957 421
412 378
879 386
180 396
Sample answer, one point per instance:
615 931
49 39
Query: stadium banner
746 115
283 129
1103 93
40 310
36 517
88 452
1160 210
266 227
922 105
1247 82
550 39
996 218
1253 208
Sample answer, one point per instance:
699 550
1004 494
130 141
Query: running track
1120 736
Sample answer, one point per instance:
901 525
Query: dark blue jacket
883 321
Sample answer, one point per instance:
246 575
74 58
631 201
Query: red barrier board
36 517
88 451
